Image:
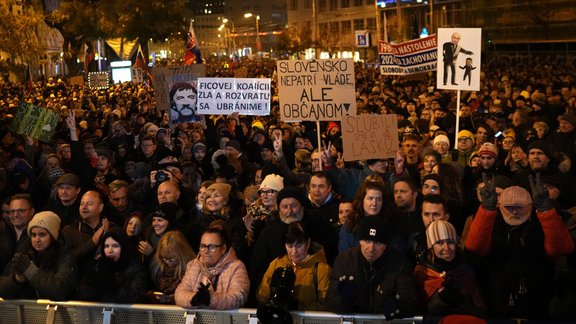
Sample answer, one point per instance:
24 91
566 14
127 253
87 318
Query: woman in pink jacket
216 279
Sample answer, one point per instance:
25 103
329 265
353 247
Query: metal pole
377 23
431 17
457 119
258 44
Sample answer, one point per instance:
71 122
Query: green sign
37 122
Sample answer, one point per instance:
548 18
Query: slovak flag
29 79
89 57
192 55
140 61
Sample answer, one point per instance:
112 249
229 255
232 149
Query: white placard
224 96
459 57
316 89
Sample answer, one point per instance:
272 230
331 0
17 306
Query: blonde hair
225 211
172 244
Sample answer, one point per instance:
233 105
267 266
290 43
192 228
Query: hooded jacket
312 279
229 282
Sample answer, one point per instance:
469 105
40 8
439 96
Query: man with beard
183 98
518 238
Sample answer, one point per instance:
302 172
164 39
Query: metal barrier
76 312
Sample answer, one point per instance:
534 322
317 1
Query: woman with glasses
264 209
216 278
308 262
168 266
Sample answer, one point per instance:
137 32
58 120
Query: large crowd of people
126 206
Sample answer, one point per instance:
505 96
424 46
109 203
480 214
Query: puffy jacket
229 276
312 279
375 284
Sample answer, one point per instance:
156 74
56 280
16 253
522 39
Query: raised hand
540 195
488 194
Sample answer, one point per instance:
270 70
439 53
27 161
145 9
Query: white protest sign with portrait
459 57
224 96
367 137
316 90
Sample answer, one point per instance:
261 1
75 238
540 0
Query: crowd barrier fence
76 312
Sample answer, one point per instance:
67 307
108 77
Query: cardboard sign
77 80
37 122
316 89
137 75
171 79
225 96
98 80
459 55
415 56
367 137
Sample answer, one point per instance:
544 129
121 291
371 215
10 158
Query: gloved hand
202 297
391 307
20 262
540 196
347 290
451 296
488 194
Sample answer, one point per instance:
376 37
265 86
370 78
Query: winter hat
54 174
272 181
46 220
332 125
69 179
569 117
488 149
373 228
541 145
258 124
234 144
222 188
440 230
291 192
466 133
515 196
198 146
509 133
441 139
167 210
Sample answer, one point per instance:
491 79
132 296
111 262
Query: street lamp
257 17
227 31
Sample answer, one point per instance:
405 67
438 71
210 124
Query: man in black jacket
371 278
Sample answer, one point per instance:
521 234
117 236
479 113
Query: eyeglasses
210 247
267 192
18 211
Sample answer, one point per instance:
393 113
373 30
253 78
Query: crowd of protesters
123 206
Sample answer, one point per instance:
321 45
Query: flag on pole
140 61
29 81
88 58
192 55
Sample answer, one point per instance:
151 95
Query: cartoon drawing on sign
183 98
450 51
468 70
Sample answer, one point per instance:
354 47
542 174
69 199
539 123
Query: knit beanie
541 145
488 149
222 188
373 228
440 230
167 210
441 138
291 192
46 220
272 181
466 133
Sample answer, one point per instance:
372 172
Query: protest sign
37 122
175 91
367 137
77 80
415 56
316 89
459 58
225 96
98 80
137 75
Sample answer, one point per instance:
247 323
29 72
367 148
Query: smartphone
498 134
